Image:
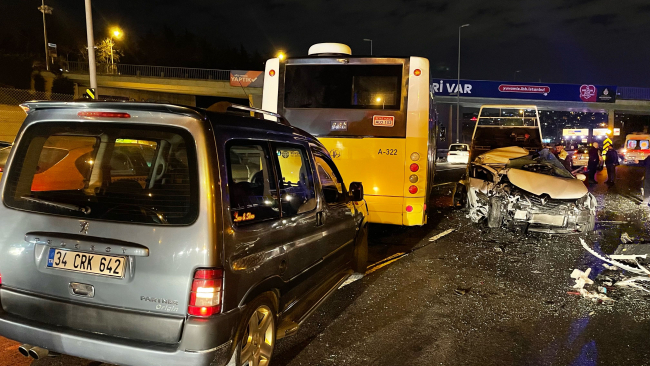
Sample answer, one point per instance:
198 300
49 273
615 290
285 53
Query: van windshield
111 172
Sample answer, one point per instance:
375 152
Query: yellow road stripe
385 259
385 264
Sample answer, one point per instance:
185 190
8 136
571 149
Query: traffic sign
606 145
90 94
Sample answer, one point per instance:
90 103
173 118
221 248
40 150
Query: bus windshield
343 86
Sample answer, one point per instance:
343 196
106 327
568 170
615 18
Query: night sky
571 41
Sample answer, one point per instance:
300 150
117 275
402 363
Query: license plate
96 264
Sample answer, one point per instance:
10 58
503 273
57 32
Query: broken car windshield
543 162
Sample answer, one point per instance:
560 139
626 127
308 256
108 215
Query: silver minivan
149 234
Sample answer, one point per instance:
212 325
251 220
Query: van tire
263 304
360 260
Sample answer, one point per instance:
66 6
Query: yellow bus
374 115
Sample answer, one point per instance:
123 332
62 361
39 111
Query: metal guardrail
12 116
75 67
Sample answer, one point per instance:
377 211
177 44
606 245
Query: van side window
330 180
253 193
296 184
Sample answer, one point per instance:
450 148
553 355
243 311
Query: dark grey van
148 234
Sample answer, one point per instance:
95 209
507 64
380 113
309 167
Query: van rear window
110 172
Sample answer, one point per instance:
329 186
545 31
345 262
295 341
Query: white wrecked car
523 188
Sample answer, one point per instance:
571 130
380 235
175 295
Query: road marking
378 266
444 233
388 260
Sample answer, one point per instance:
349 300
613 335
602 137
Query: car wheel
257 331
495 216
360 260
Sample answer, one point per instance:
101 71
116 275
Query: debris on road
639 283
605 258
625 238
582 278
462 291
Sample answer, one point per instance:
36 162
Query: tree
103 52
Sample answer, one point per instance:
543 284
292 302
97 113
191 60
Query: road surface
472 297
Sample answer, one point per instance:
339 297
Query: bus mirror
356 191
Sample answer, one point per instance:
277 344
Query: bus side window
331 182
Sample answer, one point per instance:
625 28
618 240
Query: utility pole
91 47
458 88
45 10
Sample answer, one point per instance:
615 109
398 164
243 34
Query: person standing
611 161
564 158
594 161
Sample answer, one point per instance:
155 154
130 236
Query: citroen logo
84 227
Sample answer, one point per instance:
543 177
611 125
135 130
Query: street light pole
92 70
45 10
458 88
369 40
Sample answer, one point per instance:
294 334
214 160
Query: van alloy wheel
258 340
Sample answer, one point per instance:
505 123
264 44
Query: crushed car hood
555 187
501 155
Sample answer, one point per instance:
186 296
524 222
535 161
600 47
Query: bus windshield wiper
71 207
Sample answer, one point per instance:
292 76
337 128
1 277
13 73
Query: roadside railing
12 116
77 67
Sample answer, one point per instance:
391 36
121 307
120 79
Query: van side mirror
356 191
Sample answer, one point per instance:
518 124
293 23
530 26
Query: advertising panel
244 78
519 90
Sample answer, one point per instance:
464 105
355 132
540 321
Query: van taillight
207 290
103 114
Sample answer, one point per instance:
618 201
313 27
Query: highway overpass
188 86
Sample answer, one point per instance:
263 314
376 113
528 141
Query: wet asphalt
475 296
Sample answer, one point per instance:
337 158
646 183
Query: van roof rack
222 107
